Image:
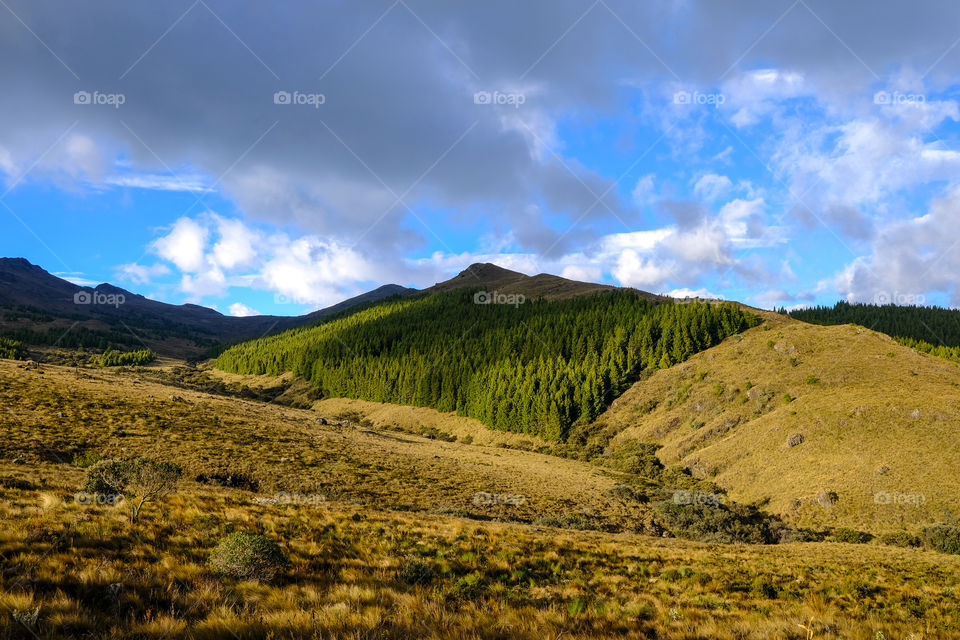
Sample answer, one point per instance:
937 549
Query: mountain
42 309
493 278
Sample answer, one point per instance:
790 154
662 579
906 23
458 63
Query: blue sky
776 153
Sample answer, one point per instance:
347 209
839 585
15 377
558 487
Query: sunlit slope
795 413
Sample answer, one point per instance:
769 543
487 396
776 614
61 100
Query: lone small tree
149 481
142 480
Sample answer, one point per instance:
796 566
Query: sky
280 157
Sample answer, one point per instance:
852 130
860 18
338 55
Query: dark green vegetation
111 358
534 368
11 349
248 556
932 330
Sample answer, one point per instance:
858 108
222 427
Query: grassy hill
823 424
385 535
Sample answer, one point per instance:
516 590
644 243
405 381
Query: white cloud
142 274
236 245
240 310
582 273
909 259
694 293
184 245
157 182
643 192
712 187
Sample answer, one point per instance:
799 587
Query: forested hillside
534 368
933 330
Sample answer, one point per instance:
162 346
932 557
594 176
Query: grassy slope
490 580
53 415
863 402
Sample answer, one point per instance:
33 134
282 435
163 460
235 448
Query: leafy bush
86 459
718 523
636 457
415 571
901 539
576 521
248 556
943 538
106 477
626 493
852 536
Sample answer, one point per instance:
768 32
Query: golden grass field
387 538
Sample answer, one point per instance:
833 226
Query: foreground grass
386 541
358 572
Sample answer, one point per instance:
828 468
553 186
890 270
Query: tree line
933 330
533 368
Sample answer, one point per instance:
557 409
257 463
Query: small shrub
812 379
86 459
248 556
943 538
625 493
851 536
718 523
414 571
901 539
761 587
718 390
637 457
106 477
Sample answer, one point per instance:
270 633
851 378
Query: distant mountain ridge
37 305
40 308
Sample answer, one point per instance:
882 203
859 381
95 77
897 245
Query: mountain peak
487 270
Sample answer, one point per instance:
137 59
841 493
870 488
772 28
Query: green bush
636 457
718 522
852 536
901 539
86 459
248 556
943 538
415 571
106 477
